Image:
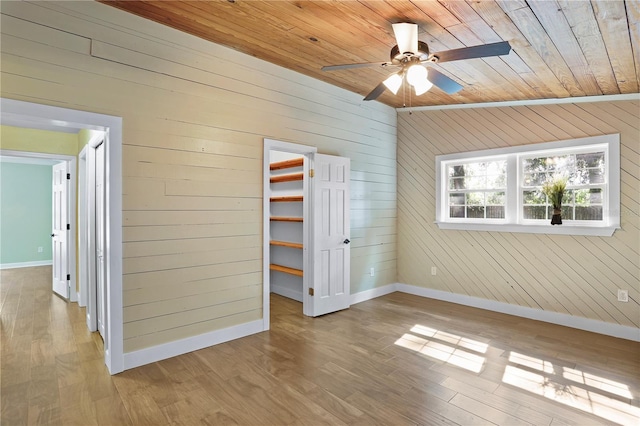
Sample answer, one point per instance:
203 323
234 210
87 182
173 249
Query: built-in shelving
286 269
286 232
287 164
285 219
287 178
287 199
286 244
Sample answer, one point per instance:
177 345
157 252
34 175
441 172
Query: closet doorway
306 227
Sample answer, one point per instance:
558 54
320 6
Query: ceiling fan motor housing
402 58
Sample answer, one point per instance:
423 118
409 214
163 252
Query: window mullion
513 192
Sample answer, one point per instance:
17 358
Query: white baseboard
363 296
26 264
600 327
190 344
286 292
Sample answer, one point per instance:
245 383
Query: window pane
475 182
593 159
588 196
534 197
495 212
456 183
586 177
475 212
475 198
497 181
567 212
456 199
589 213
535 164
534 212
456 171
495 198
456 211
535 179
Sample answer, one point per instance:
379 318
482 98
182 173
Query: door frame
86 228
112 126
292 148
83 261
71 200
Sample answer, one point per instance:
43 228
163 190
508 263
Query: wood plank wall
574 275
194 118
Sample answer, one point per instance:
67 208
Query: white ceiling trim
555 101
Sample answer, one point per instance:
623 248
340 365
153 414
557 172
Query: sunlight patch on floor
597 382
588 394
447 347
463 342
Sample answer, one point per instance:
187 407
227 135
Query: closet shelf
285 219
289 198
296 162
287 178
286 244
286 269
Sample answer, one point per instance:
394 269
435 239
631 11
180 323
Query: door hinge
69 176
68 226
68 277
312 172
310 291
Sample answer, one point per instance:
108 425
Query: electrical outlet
623 295
433 270
372 272
40 249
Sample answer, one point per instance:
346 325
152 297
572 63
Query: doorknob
53 235
346 241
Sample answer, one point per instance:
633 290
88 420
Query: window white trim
611 204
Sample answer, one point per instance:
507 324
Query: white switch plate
433 270
372 272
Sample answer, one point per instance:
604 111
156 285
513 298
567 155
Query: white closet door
331 255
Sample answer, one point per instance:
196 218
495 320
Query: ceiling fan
410 54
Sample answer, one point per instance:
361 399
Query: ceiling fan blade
448 85
380 88
492 49
362 65
406 37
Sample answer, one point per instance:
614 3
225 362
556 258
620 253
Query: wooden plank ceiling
560 48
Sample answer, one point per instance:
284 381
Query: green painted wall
25 212
32 140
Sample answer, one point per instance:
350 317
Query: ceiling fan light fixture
416 74
406 37
393 82
422 87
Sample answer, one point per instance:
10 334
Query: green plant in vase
554 190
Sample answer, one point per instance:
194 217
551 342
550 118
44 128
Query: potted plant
554 190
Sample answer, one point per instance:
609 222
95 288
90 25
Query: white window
501 189
476 189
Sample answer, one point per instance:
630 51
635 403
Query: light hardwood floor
394 360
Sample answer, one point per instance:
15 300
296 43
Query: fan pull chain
404 94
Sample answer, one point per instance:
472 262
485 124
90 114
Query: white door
59 233
99 237
330 232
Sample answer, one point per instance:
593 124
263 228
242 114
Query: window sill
598 231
